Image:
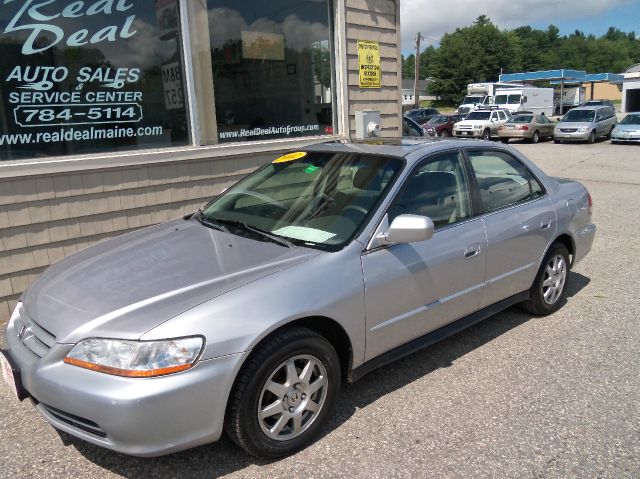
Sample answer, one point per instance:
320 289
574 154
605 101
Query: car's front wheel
549 289
284 394
486 134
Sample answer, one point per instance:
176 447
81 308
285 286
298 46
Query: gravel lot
515 396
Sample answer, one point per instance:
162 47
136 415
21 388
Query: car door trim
435 336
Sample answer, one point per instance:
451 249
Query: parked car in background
585 123
628 130
411 128
526 126
441 125
481 123
422 115
599 103
246 316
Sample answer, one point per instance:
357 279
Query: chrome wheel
292 397
555 277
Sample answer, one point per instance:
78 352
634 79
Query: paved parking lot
516 396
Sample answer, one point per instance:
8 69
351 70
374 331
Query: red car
441 125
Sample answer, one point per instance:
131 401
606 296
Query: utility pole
416 98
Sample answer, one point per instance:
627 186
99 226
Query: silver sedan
321 266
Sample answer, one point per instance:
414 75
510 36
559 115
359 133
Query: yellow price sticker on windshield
290 157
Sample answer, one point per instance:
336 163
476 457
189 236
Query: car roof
407 148
590 107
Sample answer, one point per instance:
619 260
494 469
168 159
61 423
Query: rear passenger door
519 219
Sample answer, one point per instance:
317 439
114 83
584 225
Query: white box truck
533 99
571 97
481 94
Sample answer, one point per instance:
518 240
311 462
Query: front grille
75 421
568 130
37 339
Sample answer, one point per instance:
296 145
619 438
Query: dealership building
119 114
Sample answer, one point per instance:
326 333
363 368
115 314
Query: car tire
535 138
446 133
556 141
549 290
592 138
297 404
608 137
486 134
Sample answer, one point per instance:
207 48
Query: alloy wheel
292 397
555 277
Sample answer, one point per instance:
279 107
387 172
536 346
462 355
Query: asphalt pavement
515 396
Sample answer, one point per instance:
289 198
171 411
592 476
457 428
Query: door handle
545 224
471 251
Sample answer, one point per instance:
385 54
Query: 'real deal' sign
369 64
84 76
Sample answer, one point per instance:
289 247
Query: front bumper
628 137
136 416
467 133
571 136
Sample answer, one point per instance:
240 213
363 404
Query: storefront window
270 66
90 76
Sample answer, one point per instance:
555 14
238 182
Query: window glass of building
437 189
502 180
271 69
90 77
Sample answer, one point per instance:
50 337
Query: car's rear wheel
536 137
284 394
549 289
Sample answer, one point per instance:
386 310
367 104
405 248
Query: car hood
126 286
629 128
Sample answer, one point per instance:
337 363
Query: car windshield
633 119
438 120
579 116
478 115
471 99
521 119
318 200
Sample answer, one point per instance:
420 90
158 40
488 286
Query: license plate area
11 376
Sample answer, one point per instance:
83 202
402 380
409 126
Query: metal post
562 95
416 74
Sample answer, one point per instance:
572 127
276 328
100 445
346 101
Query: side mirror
409 229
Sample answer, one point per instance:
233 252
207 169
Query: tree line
477 53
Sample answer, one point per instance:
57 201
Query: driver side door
413 289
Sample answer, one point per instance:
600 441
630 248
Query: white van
536 100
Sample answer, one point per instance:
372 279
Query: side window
502 180
542 119
599 115
502 115
437 189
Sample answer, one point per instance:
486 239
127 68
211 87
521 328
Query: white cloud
433 18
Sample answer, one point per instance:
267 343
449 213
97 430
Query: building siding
375 20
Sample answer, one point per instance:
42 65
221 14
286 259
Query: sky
433 18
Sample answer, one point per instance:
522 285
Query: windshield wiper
203 220
276 239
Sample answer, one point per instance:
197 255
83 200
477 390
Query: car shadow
223 457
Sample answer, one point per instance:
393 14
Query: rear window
522 119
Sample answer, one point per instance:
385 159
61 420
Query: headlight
477 127
137 359
583 130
